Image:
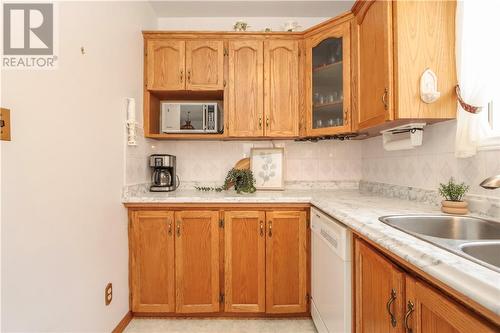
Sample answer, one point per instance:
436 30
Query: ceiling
255 8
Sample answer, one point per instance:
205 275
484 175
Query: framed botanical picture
267 165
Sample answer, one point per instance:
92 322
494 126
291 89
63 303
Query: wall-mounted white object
403 137
428 87
131 123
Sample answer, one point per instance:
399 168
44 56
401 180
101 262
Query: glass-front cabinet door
329 70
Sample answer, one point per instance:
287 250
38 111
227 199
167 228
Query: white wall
64 229
227 23
432 163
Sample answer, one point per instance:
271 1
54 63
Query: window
491 120
494 116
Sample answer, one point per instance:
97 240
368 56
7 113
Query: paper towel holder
403 137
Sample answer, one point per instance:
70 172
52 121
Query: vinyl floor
147 325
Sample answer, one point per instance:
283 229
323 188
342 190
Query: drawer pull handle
170 228
270 229
261 228
388 307
411 308
178 228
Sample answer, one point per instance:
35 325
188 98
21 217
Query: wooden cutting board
243 164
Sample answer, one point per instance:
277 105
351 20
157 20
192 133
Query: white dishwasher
331 274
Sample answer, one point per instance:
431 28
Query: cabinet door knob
388 307
260 122
178 228
189 76
261 228
411 308
170 228
270 229
267 122
182 75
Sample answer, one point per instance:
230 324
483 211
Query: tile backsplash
328 161
209 161
428 165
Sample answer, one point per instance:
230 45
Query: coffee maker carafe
163 177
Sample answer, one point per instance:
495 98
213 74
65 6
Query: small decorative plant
453 191
454 195
242 180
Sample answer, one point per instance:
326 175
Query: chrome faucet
491 183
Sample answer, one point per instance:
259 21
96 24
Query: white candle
131 109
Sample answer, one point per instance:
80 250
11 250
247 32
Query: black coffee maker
164 177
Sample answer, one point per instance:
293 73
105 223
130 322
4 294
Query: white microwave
191 117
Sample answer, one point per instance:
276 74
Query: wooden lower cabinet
245 261
197 261
194 261
286 262
152 261
428 311
417 306
379 292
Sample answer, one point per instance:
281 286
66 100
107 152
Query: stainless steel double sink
473 238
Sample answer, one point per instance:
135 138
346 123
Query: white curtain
477 69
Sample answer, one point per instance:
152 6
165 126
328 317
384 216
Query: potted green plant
242 180
453 193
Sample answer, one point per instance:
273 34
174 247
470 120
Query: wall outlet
108 294
4 124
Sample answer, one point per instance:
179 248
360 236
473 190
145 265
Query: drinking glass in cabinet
327 83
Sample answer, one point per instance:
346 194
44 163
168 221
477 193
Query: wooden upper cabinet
429 311
245 258
204 65
379 290
152 261
245 88
197 261
424 33
165 64
328 81
374 34
281 100
286 262
396 41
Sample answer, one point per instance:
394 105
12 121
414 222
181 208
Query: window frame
493 141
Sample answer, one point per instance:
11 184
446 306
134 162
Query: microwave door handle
205 117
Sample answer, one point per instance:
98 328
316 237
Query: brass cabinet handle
189 75
178 228
170 228
346 118
260 122
267 122
261 228
182 75
388 307
384 99
270 229
411 308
